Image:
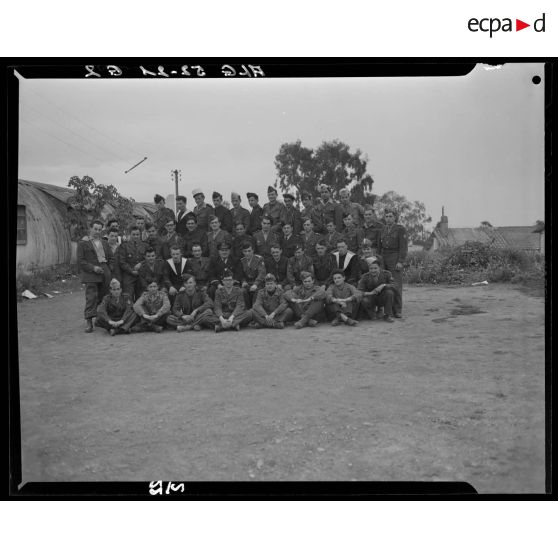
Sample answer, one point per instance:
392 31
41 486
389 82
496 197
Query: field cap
252 195
270 278
197 192
271 189
216 195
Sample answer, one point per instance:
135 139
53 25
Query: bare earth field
446 394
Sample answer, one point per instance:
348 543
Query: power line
81 121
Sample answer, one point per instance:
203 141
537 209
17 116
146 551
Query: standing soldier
171 238
194 235
307 301
351 208
256 213
330 209
277 265
223 213
372 228
299 263
162 215
352 234
95 260
292 214
131 255
324 263
116 313
275 209
239 240
229 305
271 308
216 236
202 210
265 238
309 238
199 266
151 269
153 308
311 211
192 308
289 240
252 273
181 215
239 213
393 248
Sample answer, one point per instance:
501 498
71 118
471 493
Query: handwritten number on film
188 71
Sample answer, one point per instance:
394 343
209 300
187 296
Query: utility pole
177 176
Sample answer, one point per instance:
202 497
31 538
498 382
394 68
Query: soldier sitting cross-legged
116 313
307 301
271 308
229 305
153 308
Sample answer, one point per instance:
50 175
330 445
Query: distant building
43 237
528 238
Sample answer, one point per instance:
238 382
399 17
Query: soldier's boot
88 325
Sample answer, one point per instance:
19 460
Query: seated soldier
153 308
347 261
239 240
271 308
151 269
297 264
229 305
307 301
198 266
342 300
174 267
332 236
252 273
277 264
289 240
377 287
192 308
116 311
194 235
265 238
217 267
323 263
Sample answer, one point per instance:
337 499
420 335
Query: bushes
37 280
473 261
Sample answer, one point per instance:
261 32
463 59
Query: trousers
205 318
390 260
385 299
285 316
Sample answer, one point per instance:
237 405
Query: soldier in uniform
347 261
239 213
220 264
223 213
229 305
271 308
130 256
194 235
393 248
256 214
309 238
352 234
378 290
252 273
351 208
95 260
342 300
307 301
265 238
162 215
367 251
289 240
324 263
239 240
330 209
311 211
192 308
299 263
172 238
140 224
151 269
202 210
332 236
154 240
372 228
173 270
153 308
199 267
275 209
181 213
216 236
277 265
292 214
116 311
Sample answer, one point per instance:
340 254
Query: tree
95 201
303 169
412 215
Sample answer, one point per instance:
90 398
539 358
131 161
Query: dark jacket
393 240
240 215
368 283
172 278
263 245
167 243
129 254
253 271
229 303
288 245
203 215
213 242
296 267
181 222
197 236
323 266
87 260
147 275
186 304
218 266
350 266
255 219
111 309
279 269
266 303
200 269
225 218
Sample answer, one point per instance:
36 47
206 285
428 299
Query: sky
473 144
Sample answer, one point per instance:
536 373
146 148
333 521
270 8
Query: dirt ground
453 392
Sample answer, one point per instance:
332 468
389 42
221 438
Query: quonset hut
43 238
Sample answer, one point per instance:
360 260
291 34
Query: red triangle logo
519 25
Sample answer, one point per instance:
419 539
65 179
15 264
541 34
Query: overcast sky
473 144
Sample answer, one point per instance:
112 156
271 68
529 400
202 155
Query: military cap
191 215
197 192
270 278
252 195
224 246
227 272
216 195
271 189
289 195
158 198
298 247
235 195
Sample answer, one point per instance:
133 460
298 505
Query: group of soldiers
223 268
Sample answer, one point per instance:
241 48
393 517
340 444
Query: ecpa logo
494 24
